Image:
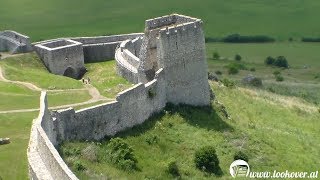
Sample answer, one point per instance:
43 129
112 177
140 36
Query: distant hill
55 18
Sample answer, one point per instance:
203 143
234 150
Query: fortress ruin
167 63
14 42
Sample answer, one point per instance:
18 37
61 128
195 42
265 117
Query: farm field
60 18
104 77
302 79
14 156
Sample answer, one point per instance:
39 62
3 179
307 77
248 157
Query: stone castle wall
14 42
176 44
127 59
101 48
62 57
181 53
44 160
132 107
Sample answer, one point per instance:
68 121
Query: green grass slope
275 136
29 68
302 79
104 77
56 18
13 157
14 97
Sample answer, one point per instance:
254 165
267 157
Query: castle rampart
132 106
178 75
102 48
14 42
62 57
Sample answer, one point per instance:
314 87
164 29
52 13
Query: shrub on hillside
271 89
215 56
276 73
269 60
279 78
228 83
121 154
152 139
237 57
207 160
75 151
252 69
241 155
237 65
281 61
79 166
173 169
233 70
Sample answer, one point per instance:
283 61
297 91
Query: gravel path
94 93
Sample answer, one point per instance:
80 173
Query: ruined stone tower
176 44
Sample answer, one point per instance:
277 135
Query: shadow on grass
203 117
200 116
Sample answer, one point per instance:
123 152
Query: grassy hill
16 126
55 18
276 132
302 79
276 125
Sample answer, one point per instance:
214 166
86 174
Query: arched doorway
70 72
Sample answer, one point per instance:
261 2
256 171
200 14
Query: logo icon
239 168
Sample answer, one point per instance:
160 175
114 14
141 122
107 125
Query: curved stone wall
177 51
127 61
102 48
94 123
99 48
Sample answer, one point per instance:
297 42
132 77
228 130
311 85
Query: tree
216 55
269 60
207 160
238 57
281 61
233 70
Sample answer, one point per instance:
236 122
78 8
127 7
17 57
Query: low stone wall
132 107
62 57
14 42
102 48
127 61
99 48
178 74
44 160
